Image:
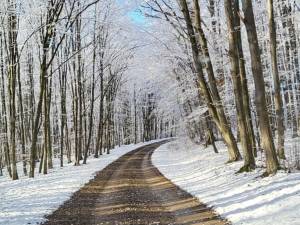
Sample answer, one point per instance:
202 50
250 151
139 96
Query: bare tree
231 14
276 80
12 81
217 115
260 96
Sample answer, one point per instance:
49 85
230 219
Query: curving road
132 191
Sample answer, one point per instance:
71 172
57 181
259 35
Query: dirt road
132 191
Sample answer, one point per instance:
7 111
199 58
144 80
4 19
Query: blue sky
135 15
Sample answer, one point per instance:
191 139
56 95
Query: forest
80 77
64 89
62 85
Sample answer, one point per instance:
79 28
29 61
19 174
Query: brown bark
53 14
244 84
276 80
45 149
99 142
12 80
22 129
63 118
231 13
4 125
219 119
92 100
260 98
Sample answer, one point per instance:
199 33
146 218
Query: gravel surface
132 191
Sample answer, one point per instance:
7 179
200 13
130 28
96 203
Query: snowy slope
27 201
244 198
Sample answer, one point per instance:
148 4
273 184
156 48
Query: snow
27 201
244 198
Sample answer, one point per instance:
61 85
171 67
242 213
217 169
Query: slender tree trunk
79 86
12 78
63 87
91 116
249 162
219 119
135 115
22 130
99 144
68 147
32 95
4 113
210 134
49 132
244 83
38 114
53 13
276 80
260 97
46 144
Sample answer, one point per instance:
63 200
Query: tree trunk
260 98
22 130
276 80
219 118
135 115
4 127
231 12
12 78
91 116
38 114
244 84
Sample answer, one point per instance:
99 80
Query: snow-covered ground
27 201
242 198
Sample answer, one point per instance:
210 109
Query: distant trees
66 89
62 85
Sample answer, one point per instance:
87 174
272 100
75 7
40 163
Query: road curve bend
131 191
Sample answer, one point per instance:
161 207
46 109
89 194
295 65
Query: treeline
63 68
242 58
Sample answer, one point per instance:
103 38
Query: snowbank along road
132 191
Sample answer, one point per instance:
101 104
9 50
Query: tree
53 14
12 81
217 114
260 97
231 14
276 81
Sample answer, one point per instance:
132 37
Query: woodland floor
132 191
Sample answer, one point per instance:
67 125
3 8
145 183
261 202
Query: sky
137 17
134 13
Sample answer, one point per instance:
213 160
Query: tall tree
243 75
12 81
231 13
216 113
276 80
260 95
4 122
54 11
